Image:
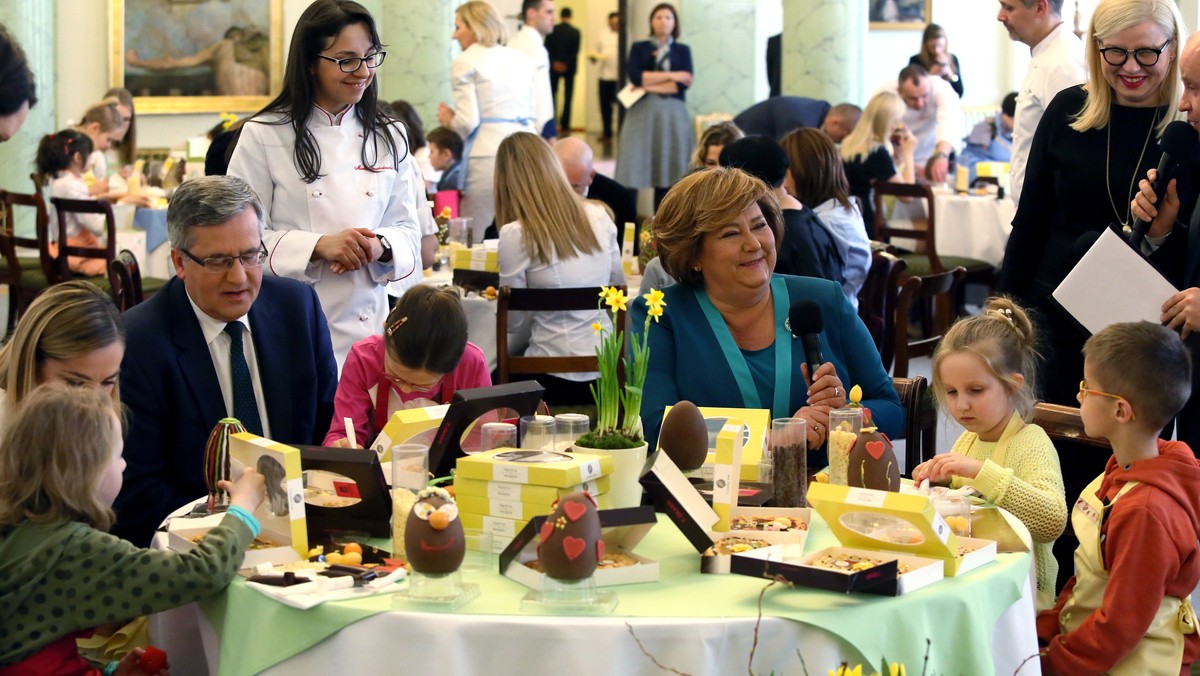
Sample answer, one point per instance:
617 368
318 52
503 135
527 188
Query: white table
973 226
155 262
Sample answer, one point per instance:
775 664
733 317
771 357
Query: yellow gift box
409 426
508 509
863 518
538 495
477 258
756 422
526 466
991 169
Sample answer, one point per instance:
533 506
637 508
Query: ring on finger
837 391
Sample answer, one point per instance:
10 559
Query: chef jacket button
362 317
316 193
370 193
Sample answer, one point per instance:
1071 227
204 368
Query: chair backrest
108 252
125 279
1064 423
877 301
939 290
885 231
544 300
41 239
918 420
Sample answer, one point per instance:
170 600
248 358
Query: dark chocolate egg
872 462
569 544
433 534
684 436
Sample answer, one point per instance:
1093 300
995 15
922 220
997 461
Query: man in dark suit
778 115
576 158
1176 248
563 47
218 340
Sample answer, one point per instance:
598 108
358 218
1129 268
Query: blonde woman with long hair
880 148
552 238
1093 144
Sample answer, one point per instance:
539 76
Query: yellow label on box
508 509
991 169
281 514
477 258
871 519
528 466
538 495
755 422
725 473
409 426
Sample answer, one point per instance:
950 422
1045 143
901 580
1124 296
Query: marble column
31 23
823 49
724 53
417 35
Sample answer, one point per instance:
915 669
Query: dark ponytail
56 151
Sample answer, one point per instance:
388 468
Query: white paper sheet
630 95
1113 283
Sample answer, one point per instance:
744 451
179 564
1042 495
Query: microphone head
805 318
1180 141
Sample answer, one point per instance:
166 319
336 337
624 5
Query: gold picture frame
176 72
899 15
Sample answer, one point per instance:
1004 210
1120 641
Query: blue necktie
245 406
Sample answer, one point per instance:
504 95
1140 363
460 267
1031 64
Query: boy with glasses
1126 609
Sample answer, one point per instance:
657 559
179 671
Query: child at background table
445 155
422 358
62 159
61 575
1126 610
983 374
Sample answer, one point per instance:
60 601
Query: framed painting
197 56
900 14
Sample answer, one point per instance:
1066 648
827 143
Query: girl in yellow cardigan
983 374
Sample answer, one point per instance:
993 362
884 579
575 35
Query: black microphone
1179 142
807 322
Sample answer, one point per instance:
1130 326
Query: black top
876 166
915 60
563 46
807 249
620 199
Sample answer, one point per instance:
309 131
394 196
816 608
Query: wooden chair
28 275
125 278
920 421
1082 458
107 253
929 262
939 290
544 300
877 301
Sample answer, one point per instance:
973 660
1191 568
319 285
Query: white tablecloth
155 263
974 226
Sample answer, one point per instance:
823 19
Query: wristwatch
386 256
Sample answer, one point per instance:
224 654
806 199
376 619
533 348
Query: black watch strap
386 256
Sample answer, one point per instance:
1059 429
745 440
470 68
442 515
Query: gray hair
207 201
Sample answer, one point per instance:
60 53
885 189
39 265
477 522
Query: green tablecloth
957 614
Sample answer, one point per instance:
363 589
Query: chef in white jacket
333 174
493 97
530 40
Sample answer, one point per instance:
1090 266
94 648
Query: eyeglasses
353 63
225 263
1084 392
1145 56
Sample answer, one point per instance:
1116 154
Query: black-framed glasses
353 63
1145 56
225 263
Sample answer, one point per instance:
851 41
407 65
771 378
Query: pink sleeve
472 370
353 398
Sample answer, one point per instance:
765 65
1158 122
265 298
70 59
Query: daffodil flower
616 301
597 327
654 298
895 669
655 312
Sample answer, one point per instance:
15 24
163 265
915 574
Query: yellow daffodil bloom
655 312
604 291
597 327
654 298
895 669
616 300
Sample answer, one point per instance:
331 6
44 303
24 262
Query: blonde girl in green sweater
983 375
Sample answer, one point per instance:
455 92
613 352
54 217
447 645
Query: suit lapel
272 354
194 358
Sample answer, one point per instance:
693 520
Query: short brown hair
1145 363
447 139
704 202
719 134
816 167
53 452
674 13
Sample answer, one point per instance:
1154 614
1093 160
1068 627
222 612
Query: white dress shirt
940 120
606 47
558 334
218 347
532 44
1057 63
850 236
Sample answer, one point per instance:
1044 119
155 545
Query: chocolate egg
569 544
433 535
684 436
872 462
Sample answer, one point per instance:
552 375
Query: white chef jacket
530 42
491 83
347 195
568 333
1057 63
607 47
940 120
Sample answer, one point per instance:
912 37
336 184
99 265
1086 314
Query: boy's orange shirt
1150 550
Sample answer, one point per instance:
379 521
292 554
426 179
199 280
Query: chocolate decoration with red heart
573 547
872 462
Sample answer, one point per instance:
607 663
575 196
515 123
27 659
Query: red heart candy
875 448
547 530
574 510
599 550
573 547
